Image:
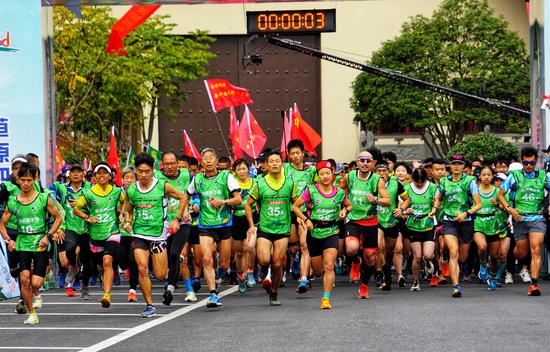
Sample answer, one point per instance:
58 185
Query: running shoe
355 272
196 284
71 275
190 297
76 285
457 291
401 281
379 278
273 299
325 303
509 278
20 308
105 301
434 282
149 311
524 273
363 291
242 285
491 284
132 297
442 279
32 319
295 267
117 280
214 301
37 304
266 284
85 294
429 267
251 282
533 290
444 265
415 286
167 297
386 286
483 274
61 279
69 292
302 286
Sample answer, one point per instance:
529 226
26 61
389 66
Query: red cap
324 163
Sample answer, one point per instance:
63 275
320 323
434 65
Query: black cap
76 166
457 158
546 150
263 155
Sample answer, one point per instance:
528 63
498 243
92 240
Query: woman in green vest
326 204
420 221
402 250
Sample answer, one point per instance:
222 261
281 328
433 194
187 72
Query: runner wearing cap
457 191
326 204
388 220
503 231
274 194
526 206
102 201
145 219
365 190
29 209
218 191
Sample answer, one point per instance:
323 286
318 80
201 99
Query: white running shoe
190 297
32 319
415 287
37 304
509 278
429 267
524 273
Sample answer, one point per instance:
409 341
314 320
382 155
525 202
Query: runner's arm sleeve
191 188
474 188
508 183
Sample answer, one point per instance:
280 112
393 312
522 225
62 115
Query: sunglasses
365 160
532 163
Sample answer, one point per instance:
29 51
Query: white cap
515 166
501 175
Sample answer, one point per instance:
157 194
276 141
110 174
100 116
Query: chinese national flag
124 26
301 130
251 137
190 149
112 159
286 134
234 134
59 162
223 94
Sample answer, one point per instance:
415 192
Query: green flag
102 155
130 157
156 154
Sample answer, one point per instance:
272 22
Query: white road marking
41 348
85 314
151 324
60 328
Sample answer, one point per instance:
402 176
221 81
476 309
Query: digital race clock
302 21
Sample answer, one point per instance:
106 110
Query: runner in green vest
503 232
274 194
402 250
180 179
102 202
244 256
125 257
526 206
365 191
420 222
302 176
326 204
439 170
29 209
458 228
388 222
146 219
218 191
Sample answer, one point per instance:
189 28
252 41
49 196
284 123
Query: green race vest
529 194
357 194
149 209
275 206
386 218
105 208
31 222
325 211
485 220
421 204
72 222
208 188
502 218
181 182
302 178
245 194
456 195
14 191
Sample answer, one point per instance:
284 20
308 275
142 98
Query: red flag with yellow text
223 94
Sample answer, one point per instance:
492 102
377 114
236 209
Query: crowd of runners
197 225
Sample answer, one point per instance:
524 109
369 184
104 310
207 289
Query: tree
486 146
463 46
96 90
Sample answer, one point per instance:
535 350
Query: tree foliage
463 46
96 90
486 146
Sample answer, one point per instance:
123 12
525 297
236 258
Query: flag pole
221 132
250 132
284 133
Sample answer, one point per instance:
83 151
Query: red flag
286 134
234 134
251 137
190 149
223 94
59 162
301 130
112 159
124 26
